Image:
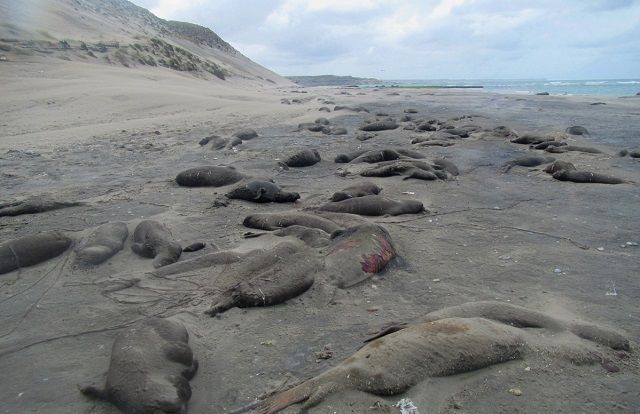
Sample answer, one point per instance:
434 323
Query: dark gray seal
527 161
410 153
152 239
530 139
354 191
348 157
559 166
447 166
194 247
246 134
262 192
374 205
567 148
31 250
504 132
379 126
209 177
303 158
586 177
407 168
547 144
372 157
151 365
275 221
102 243
577 130
35 205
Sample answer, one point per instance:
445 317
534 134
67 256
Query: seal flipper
93 392
225 302
143 250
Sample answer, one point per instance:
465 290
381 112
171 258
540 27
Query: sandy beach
519 237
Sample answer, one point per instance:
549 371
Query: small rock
436 280
515 391
557 270
600 249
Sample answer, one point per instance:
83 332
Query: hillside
117 32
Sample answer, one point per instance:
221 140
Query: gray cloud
397 39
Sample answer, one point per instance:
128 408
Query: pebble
515 391
600 249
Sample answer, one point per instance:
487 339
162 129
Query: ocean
594 87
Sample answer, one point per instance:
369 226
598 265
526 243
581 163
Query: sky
426 39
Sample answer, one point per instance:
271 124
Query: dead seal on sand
448 345
547 144
151 365
559 166
527 161
586 177
379 126
246 134
567 148
577 130
152 239
262 192
374 205
31 250
269 278
530 139
357 252
358 190
275 221
102 243
34 205
209 177
303 158
447 166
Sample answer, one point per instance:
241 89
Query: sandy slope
90 134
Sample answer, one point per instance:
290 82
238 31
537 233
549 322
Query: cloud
167 9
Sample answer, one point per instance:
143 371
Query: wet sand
520 237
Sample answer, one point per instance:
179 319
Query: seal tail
93 392
224 303
284 399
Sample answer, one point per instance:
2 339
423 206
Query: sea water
594 87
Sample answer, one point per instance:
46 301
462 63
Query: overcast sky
426 39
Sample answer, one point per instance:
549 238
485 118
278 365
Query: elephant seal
447 166
504 132
357 252
348 157
358 190
559 166
262 192
269 278
310 236
246 134
530 139
410 153
218 143
436 136
275 221
194 247
577 130
527 161
34 205
209 177
586 177
152 239
547 144
102 243
567 148
374 205
375 156
447 345
31 250
419 170
437 143
151 365
379 126
303 158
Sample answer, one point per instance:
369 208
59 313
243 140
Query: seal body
304 158
530 139
586 177
31 250
152 239
275 221
34 205
379 126
559 166
527 161
378 156
246 134
374 205
211 176
358 252
348 157
262 192
447 166
567 148
358 190
269 278
102 243
151 365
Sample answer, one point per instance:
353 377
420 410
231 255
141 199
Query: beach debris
611 290
407 406
515 391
